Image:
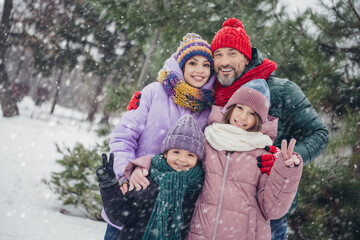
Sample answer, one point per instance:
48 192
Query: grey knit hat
255 94
185 134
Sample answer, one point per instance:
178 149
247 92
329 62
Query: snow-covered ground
29 209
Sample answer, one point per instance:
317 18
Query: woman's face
197 71
180 159
243 117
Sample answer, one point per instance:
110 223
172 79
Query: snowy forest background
89 56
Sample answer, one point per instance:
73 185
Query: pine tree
8 101
317 50
340 36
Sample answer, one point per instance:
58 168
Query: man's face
229 65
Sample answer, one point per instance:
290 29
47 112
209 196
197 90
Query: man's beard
226 81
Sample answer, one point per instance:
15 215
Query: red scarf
263 71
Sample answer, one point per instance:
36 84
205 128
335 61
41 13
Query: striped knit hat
255 94
232 35
191 46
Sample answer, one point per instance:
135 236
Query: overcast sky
293 5
299 5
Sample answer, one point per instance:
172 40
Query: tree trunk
95 103
8 102
144 71
20 66
58 84
105 117
356 154
106 114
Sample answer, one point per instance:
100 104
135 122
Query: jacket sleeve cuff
143 162
290 176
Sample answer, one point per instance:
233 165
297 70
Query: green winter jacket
297 118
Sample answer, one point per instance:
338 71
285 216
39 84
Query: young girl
164 209
237 201
184 87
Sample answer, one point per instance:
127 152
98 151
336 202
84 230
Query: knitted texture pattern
193 45
183 94
226 137
263 71
168 205
185 134
255 94
232 35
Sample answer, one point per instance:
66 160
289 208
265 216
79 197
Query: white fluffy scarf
230 138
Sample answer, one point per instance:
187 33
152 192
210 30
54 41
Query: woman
184 87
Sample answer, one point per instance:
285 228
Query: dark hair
257 126
212 68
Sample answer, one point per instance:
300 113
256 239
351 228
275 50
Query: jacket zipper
223 182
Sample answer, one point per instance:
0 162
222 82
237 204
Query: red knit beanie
232 35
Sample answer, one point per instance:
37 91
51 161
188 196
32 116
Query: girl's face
243 117
197 71
180 159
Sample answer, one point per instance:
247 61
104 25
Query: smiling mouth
198 78
239 124
226 70
180 166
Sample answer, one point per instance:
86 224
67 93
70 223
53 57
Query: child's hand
123 183
138 179
290 160
266 162
124 188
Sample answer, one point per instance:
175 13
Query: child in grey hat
164 209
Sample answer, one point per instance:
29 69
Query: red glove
134 102
266 162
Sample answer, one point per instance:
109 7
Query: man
236 63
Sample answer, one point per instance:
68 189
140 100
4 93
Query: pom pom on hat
233 22
191 46
255 94
185 134
233 35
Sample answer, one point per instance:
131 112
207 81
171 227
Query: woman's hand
290 160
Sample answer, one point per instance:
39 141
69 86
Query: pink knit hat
255 94
232 35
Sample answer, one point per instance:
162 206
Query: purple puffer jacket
237 201
140 132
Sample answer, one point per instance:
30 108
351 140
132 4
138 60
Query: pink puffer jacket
237 201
